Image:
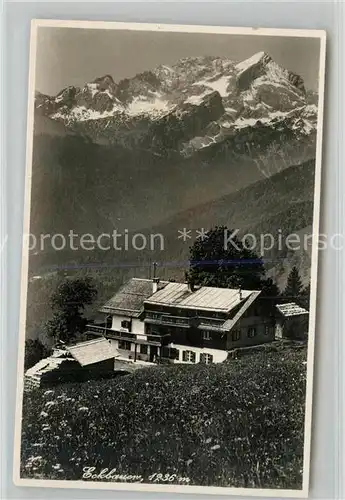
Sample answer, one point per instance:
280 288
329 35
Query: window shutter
173 354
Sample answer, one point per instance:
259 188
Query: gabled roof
46 365
204 298
230 323
93 351
129 300
291 309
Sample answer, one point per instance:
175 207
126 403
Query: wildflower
83 408
43 414
50 403
38 458
215 447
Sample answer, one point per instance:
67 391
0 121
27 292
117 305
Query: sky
75 56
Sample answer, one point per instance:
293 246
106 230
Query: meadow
237 424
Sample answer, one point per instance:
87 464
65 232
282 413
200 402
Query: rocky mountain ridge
190 106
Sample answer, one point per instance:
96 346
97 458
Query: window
169 352
251 332
267 330
206 335
236 335
153 315
126 324
206 358
188 356
181 321
143 349
125 345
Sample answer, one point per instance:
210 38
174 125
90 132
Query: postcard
170 258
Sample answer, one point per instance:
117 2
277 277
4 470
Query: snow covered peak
260 74
203 91
259 57
102 84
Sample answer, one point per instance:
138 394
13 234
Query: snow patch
220 85
227 124
107 93
93 88
243 65
308 127
230 110
141 106
197 99
310 110
81 113
245 122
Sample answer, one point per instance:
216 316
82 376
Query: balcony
158 340
156 319
110 334
152 339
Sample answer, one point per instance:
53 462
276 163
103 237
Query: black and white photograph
171 242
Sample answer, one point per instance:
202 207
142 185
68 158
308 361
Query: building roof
93 351
230 323
204 298
129 299
291 309
46 365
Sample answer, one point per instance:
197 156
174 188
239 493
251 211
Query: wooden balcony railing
168 320
107 332
152 338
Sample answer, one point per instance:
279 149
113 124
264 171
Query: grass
237 424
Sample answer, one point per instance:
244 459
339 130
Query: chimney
155 282
191 285
190 282
240 293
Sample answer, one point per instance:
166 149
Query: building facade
292 322
152 320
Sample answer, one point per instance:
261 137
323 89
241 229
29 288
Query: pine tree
305 297
294 286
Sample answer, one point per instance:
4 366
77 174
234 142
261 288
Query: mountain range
191 106
203 142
